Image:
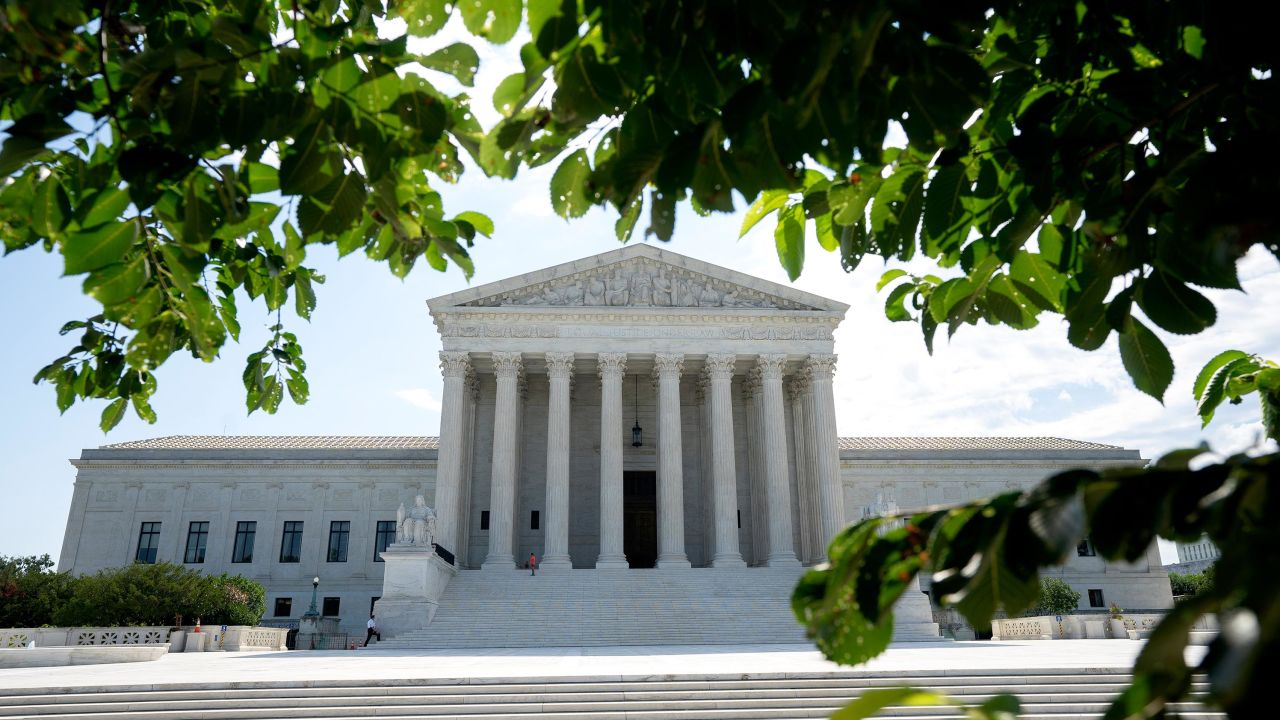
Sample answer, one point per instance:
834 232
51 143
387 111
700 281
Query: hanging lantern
637 434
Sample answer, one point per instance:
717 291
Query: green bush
30 591
1188 584
156 594
1056 597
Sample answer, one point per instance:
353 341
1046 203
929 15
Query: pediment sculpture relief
638 285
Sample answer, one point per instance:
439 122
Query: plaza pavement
246 669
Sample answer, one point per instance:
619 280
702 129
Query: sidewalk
549 664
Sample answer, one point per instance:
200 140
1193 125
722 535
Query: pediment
637 276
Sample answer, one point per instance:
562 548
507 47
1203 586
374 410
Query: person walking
533 564
372 625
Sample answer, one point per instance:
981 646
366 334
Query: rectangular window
242 551
339 532
1095 598
197 538
484 519
534 520
385 536
284 607
1085 549
739 519
291 542
330 607
148 543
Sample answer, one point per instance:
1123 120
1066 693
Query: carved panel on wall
639 283
251 495
156 496
297 493
107 496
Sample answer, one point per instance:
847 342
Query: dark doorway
640 517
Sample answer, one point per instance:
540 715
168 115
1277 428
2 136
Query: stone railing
1024 628
238 637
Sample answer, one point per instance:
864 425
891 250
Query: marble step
1045 696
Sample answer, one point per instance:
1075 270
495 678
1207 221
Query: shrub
1056 597
1188 584
30 591
154 594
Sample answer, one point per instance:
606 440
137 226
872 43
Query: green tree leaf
569 196
494 20
91 249
113 413
768 202
789 239
1146 359
459 60
1174 306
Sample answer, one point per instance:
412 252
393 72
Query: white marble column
502 493
778 510
555 551
471 395
755 471
723 470
797 386
668 367
611 368
826 457
453 367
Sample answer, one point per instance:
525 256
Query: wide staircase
1045 695
618 607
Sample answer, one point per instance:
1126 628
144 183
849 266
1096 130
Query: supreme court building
633 410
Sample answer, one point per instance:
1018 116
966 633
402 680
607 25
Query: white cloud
420 397
1064 396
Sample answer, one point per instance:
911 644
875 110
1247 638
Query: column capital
770 365
720 365
559 364
668 365
454 363
751 383
507 364
820 366
611 365
797 385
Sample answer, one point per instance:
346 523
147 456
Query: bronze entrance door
640 517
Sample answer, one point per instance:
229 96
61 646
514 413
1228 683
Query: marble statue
642 289
617 292
595 291
417 525
662 290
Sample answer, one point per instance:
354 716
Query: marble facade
728 377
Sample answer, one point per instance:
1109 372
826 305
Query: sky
371 351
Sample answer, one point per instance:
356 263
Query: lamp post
312 611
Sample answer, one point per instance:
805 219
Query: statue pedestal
913 616
413 580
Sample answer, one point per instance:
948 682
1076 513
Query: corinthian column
556 550
778 512
670 463
454 367
611 368
724 474
825 462
797 387
502 493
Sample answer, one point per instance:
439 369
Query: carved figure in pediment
595 291
662 290
642 289
709 297
573 294
616 290
730 299
685 295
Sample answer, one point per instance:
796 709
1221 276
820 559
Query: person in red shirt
533 564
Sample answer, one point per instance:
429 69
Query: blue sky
371 351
